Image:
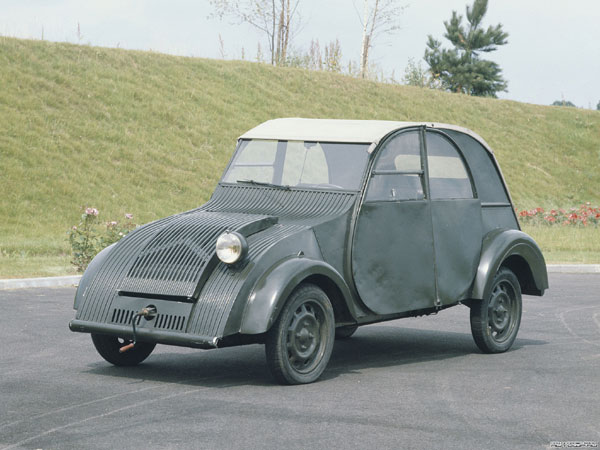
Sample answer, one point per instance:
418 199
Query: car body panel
393 268
498 246
457 242
273 288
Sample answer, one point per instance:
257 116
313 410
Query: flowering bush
584 216
90 236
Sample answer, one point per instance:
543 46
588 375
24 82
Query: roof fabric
337 130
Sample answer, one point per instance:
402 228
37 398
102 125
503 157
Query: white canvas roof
335 130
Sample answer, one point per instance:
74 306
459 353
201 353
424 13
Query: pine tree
461 68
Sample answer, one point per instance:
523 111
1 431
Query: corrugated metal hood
176 260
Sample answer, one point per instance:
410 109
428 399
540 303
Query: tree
415 75
275 18
379 17
563 103
332 59
461 68
598 106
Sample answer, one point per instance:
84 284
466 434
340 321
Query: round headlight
231 247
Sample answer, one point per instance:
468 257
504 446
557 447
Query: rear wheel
495 320
108 347
299 343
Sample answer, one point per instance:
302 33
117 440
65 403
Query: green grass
147 133
25 266
567 244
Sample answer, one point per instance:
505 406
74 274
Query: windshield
298 164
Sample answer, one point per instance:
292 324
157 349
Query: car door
392 251
456 218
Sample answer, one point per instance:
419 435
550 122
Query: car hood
176 256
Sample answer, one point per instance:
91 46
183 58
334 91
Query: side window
448 176
398 171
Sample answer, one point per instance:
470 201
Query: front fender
519 252
89 275
274 287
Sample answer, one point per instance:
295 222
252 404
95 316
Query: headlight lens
231 247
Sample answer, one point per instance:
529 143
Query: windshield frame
359 174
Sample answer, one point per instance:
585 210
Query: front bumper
146 334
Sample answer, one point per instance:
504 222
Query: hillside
149 134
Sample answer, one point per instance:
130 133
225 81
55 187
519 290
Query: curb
20 283
573 268
73 280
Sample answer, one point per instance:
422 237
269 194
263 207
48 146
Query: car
319 226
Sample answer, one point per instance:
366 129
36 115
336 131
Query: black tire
299 344
108 347
345 332
495 320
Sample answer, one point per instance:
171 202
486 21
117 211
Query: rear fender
517 251
274 287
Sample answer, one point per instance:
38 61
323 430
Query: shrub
90 236
585 215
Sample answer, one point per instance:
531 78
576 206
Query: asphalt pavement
411 383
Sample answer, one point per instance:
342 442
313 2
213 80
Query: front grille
171 322
124 316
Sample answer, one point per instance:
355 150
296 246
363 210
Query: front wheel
299 343
495 320
108 347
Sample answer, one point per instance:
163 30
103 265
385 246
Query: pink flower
75 228
112 223
91 211
129 216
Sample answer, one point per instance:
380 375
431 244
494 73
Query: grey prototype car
318 227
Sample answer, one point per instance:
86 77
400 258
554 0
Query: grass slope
147 133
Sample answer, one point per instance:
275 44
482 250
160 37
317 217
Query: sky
553 50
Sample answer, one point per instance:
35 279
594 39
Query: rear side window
448 176
486 175
398 171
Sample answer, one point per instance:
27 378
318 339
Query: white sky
553 49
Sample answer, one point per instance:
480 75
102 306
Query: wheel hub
500 315
500 312
303 337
